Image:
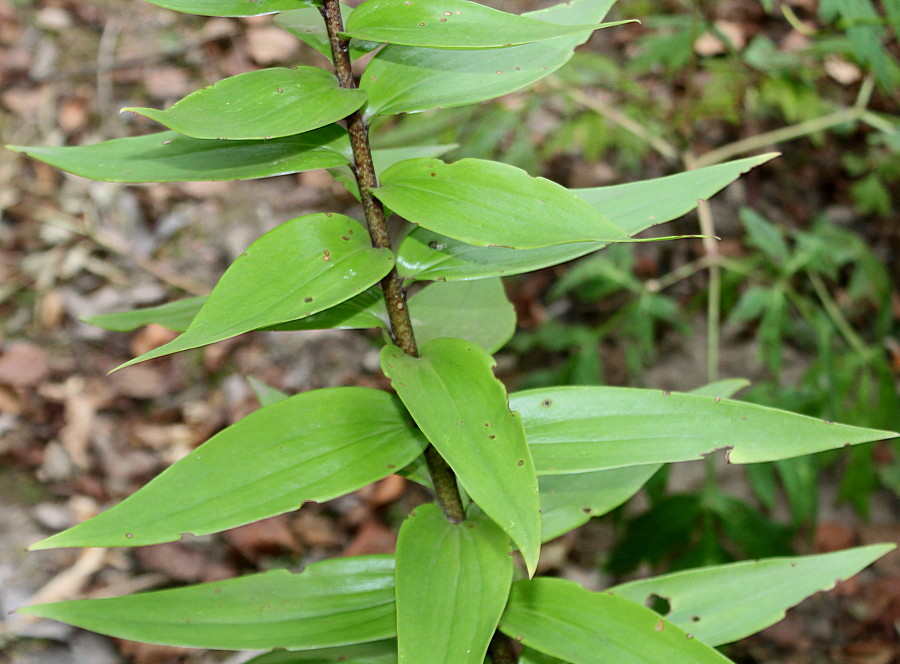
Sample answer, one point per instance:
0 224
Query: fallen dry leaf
23 365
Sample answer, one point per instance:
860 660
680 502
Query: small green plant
508 471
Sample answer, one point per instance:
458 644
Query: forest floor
74 440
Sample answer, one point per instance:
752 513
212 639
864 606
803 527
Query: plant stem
401 326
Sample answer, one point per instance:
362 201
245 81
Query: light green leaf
335 602
313 446
463 410
377 652
530 656
406 79
721 388
632 207
263 104
308 26
176 316
384 159
304 266
171 157
562 619
477 311
489 203
450 24
580 429
452 584
231 7
725 603
265 393
569 501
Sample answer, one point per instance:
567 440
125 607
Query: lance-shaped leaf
406 79
569 501
462 408
231 7
580 429
562 619
377 652
313 446
449 24
171 157
452 584
489 203
175 316
331 603
725 603
304 266
477 311
308 26
264 104
632 207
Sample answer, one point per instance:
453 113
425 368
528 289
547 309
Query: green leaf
477 311
171 157
331 603
450 24
463 410
308 26
579 429
721 388
263 104
405 79
530 656
176 316
377 652
313 446
633 207
489 203
725 603
302 267
569 501
265 393
364 311
452 584
765 236
562 619
231 7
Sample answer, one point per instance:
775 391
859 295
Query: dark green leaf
578 429
463 410
377 652
170 157
562 619
489 203
405 79
450 24
331 603
477 311
633 207
728 602
300 268
263 104
452 585
312 446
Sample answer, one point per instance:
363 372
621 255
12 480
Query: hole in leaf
659 604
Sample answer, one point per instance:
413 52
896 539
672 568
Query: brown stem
363 168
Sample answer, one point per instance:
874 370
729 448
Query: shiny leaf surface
562 619
263 104
452 583
449 24
580 429
304 266
331 603
171 157
462 408
724 603
313 446
633 207
406 79
489 203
